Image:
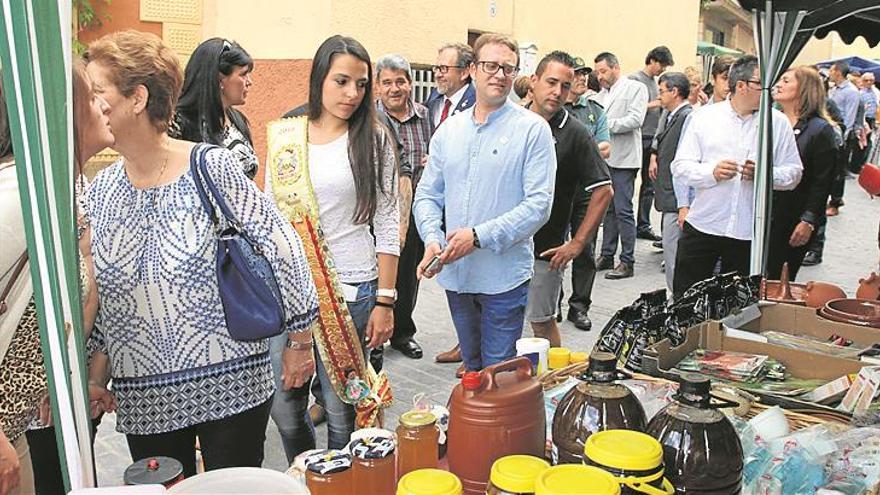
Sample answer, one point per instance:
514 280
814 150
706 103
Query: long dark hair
365 134
199 113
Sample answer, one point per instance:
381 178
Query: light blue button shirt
497 177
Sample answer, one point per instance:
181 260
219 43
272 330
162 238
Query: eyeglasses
492 68
754 81
443 69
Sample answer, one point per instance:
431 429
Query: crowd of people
494 196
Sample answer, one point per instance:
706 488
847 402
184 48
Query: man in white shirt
716 157
625 102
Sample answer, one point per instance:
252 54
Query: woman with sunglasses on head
217 79
798 213
178 370
333 174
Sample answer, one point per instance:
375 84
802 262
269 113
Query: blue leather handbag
249 292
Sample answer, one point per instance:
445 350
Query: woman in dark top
796 213
217 78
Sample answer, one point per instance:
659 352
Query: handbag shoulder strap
18 267
201 174
197 155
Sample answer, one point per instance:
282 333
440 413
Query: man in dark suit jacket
454 92
670 198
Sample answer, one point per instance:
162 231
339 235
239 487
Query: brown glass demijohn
596 404
500 414
701 450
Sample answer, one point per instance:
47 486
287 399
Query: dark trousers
236 441
698 254
407 283
646 189
858 155
583 268
619 220
782 252
45 461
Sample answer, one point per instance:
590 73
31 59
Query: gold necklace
161 172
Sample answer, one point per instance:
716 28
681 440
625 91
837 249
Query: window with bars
423 82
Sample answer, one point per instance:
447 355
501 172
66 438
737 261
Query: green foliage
87 18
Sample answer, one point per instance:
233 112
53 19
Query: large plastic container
596 404
500 414
515 475
701 450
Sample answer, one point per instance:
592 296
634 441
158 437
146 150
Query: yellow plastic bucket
517 473
633 458
574 479
429 482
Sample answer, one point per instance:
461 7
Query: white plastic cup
536 350
771 424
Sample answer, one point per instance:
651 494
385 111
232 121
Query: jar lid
517 473
694 390
471 380
417 418
562 480
328 461
372 448
429 482
153 471
578 357
558 357
624 449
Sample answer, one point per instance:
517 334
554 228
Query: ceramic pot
869 288
819 293
783 291
861 312
869 179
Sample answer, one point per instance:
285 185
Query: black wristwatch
476 239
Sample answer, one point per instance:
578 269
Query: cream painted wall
270 29
293 29
629 29
832 47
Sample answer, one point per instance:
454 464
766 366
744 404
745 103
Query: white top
14 243
352 245
455 99
717 133
626 103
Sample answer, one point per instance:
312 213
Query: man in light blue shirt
844 93
487 188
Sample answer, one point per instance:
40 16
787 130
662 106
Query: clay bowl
861 312
819 293
776 292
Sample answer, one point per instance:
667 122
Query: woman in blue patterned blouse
176 371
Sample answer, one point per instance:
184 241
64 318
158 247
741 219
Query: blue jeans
488 325
290 408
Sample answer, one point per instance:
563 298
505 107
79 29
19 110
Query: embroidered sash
335 334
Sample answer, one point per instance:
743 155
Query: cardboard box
741 333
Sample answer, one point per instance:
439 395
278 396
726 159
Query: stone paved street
851 253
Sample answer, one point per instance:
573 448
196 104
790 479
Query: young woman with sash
217 79
333 174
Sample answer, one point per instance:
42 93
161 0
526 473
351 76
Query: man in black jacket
670 199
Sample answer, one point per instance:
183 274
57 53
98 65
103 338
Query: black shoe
580 319
658 245
408 347
811 258
622 270
604 263
648 234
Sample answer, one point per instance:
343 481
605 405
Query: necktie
446 107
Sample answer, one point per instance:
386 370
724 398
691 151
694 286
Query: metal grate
181 11
423 82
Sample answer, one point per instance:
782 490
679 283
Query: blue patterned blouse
172 360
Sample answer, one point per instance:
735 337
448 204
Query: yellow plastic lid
578 357
558 357
624 449
517 473
413 419
429 482
574 479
